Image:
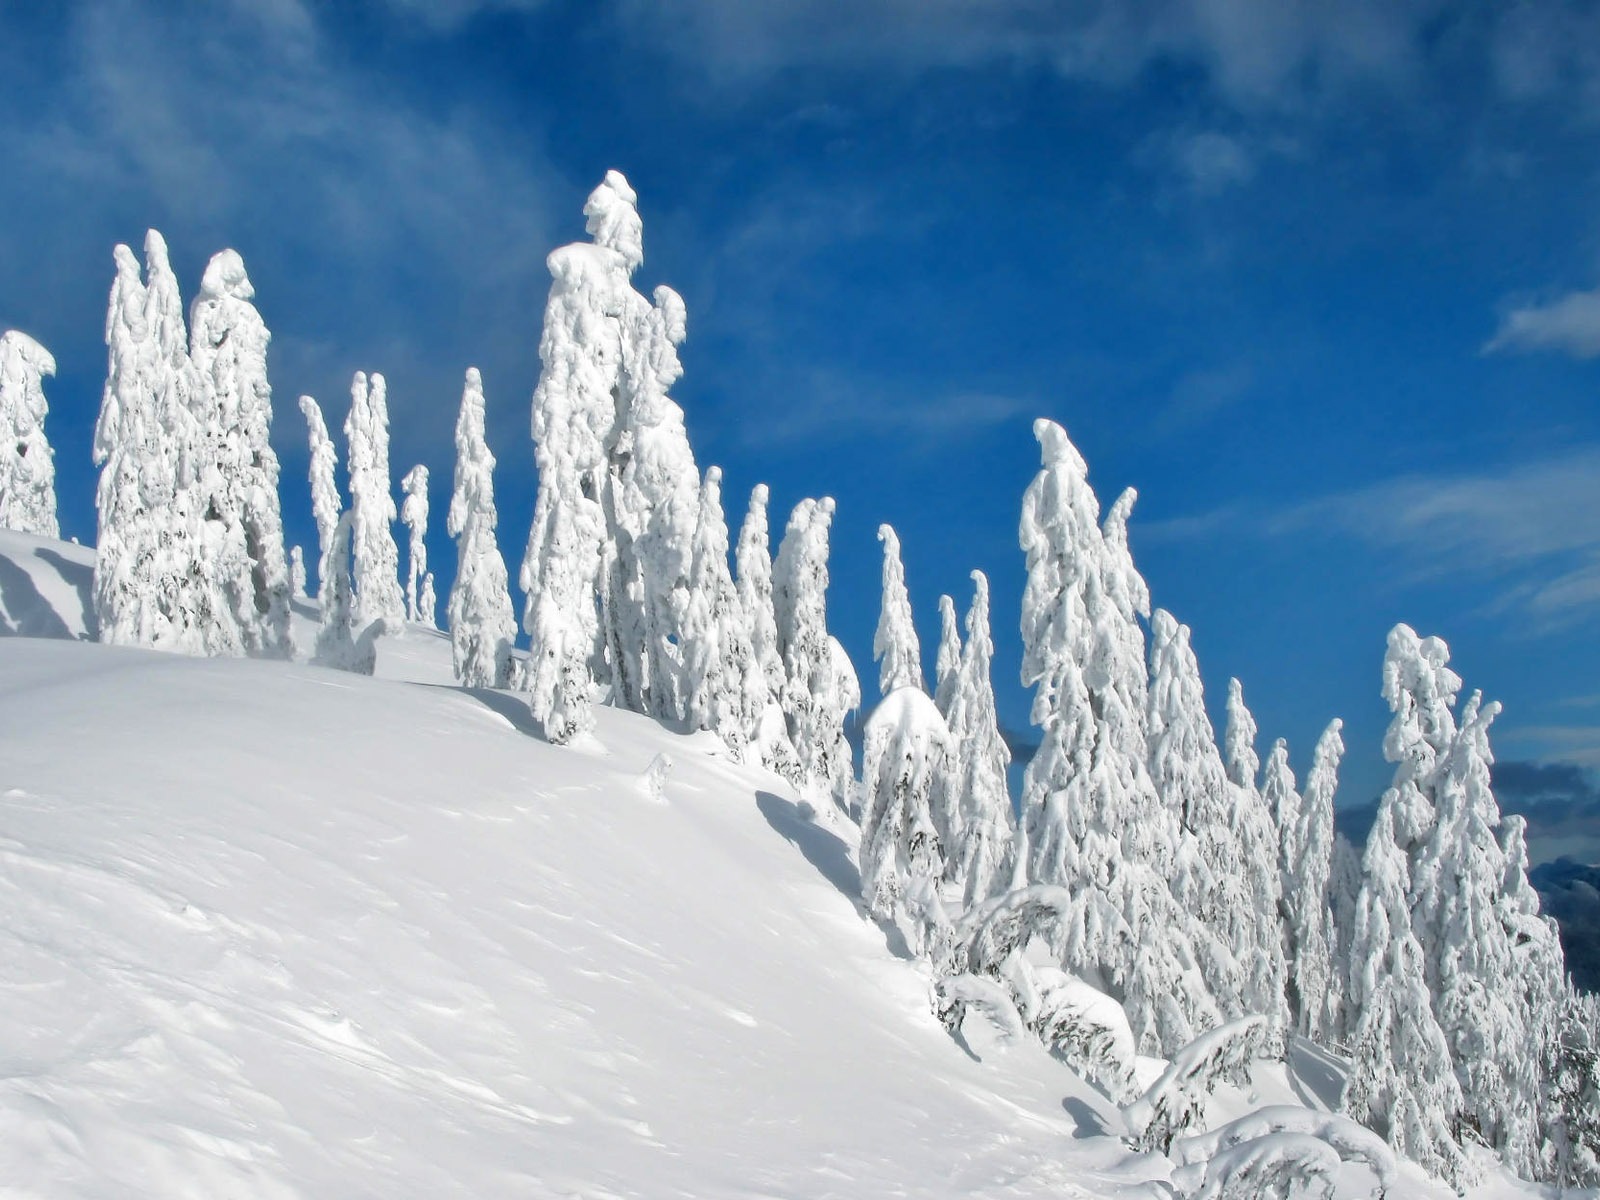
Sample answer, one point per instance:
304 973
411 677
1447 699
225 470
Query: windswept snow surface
272 930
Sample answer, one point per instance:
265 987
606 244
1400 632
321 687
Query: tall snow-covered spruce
607 563
482 623
414 516
820 685
376 568
1187 770
724 690
27 463
152 586
239 470
982 848
325 502
907 821
1314 991
1094 823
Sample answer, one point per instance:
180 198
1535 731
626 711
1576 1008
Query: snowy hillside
272 930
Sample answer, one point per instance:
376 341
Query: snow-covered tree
1094 822
818 680
238 470
414 515
1541 994
753 560
1401 1081
297 573
1186 768
1261 964
985 831
724 688
947 665
895 645
1421 692
372 507
1344 885
152 584
1571 1107
902 857
27 463
325 502
428 603
1313 987
482 624
606 569
342 643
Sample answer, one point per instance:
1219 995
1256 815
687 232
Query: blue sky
1322 281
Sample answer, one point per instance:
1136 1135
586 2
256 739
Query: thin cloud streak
1567 325
1537 521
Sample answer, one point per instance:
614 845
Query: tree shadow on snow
510 705
828 854
78 576
32 613
1090 1123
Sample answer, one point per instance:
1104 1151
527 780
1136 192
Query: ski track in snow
270 931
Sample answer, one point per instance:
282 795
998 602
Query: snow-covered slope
270 930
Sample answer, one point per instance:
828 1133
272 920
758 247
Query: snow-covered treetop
1239 739
613 219
225 276
1421 690
895 646
18 348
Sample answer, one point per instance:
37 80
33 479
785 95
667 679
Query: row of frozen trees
1205 892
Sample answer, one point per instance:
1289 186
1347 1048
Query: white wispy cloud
1569 324
1533 527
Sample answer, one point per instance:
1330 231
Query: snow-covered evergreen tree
753 561
606 570
818 680
428 603
325 502
1094 822
342 643
947 665
1263 971
725 690
1344 885
153 585
482 624
1313 988
1401 1082
297 573
1186 768
904 760
238 471
414 515
27 463
985 831
895 645
372 507
1421 692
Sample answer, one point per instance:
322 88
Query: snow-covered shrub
1278 1151
1175 1103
